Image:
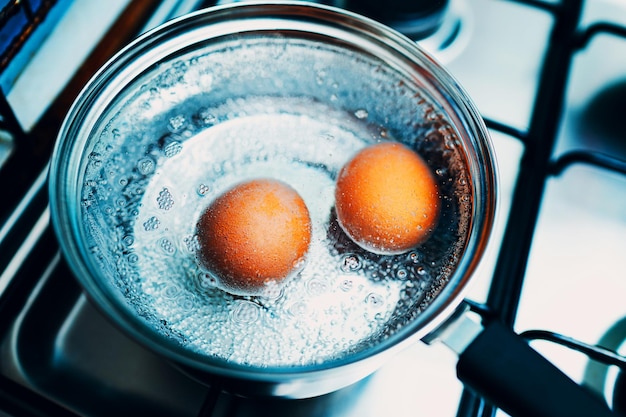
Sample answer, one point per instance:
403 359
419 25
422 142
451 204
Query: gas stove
551 87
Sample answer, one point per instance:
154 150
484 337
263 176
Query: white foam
316 316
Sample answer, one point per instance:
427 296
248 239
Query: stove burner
601 124
453 33
416 19
441 27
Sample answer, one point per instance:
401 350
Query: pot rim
218 21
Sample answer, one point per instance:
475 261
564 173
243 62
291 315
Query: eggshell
387 198
254 234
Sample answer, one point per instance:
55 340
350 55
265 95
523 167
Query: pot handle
501 367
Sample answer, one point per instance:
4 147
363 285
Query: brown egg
256 233
387 199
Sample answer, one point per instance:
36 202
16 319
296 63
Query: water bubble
316 287
361 114
298 309
414 257
176 123
350 263
320 76
346 285
374 300
298 264
402 273
186 302
206 280
171 291
272 292
128 240
205 117
145 166
173 148
192 243
165 199
245 312
380 317
94 156
146 105
151 224
432 115
450 141
167 246
170 78
203 190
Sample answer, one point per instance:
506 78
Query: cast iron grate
537 165
28 249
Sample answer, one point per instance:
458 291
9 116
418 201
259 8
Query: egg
254 234
386 198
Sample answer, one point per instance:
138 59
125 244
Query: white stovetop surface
575 282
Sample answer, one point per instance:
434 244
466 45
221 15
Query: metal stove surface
63 349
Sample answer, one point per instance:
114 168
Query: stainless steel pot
291 91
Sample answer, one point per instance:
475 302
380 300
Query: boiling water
344 299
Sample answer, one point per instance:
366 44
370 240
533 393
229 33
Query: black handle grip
501 367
